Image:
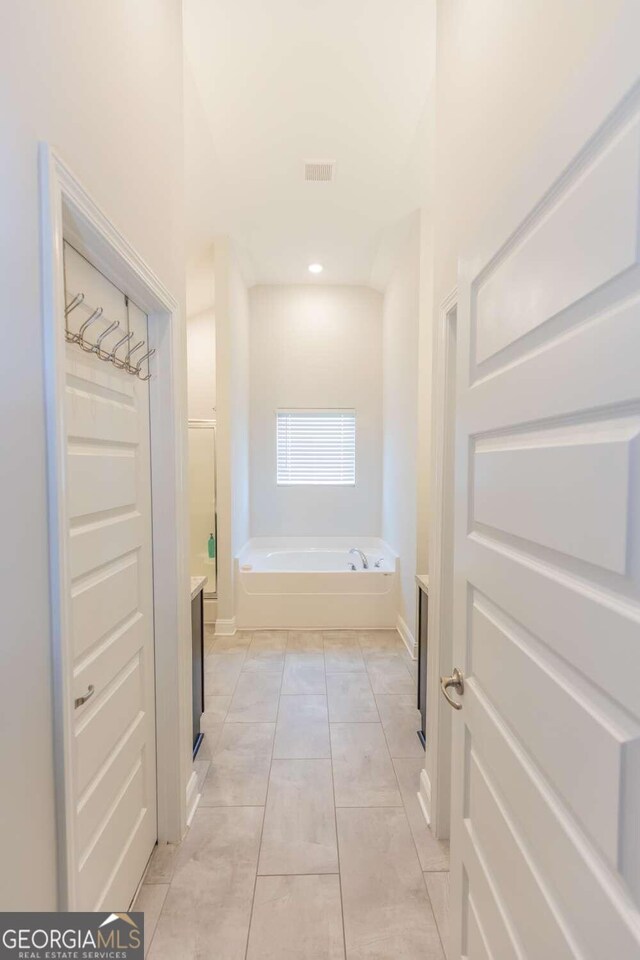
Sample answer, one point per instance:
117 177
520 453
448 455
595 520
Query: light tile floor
309 842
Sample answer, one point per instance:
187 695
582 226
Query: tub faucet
363 557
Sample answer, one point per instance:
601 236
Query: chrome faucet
363 557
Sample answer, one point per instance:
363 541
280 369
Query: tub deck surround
305 582
309 842
315 555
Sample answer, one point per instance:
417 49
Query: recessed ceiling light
315 268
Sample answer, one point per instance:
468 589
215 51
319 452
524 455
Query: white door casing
435 782
68 210
546 749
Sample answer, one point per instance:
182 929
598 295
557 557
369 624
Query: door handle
90 692
456 680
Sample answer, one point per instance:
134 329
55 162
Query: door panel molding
503 309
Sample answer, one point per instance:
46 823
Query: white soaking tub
297 582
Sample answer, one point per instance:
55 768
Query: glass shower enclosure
202 503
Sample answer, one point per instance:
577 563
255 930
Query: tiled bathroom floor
308 843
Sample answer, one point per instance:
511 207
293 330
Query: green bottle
211 547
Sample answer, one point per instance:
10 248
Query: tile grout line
335 815
404 806
227 806
314 873
237 680
155 929
384 734
433 913
373 694
170 882
406 815
264 809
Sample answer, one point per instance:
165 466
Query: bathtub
298 582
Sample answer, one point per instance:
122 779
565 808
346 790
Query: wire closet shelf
122 362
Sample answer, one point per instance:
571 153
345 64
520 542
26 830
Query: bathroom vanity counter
197 585
422 580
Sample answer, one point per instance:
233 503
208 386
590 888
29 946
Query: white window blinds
316 447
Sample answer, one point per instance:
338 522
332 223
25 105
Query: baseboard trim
407 637
193 797
424 795
226 628
210 610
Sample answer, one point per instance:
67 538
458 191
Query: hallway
308 835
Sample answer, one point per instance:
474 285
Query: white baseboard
226 628
424 795
407 637
210 610
193 796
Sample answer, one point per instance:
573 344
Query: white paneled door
108 502
546 753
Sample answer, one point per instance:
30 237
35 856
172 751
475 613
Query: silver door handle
90 692
456 680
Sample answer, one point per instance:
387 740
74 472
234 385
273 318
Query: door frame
435 783
67 209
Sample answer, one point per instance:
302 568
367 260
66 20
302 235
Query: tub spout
363 557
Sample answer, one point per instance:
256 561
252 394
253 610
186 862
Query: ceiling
272 83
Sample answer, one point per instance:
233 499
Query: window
316 447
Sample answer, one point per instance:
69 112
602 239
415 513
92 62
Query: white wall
400 336
425 399
316 346
232 391
240 365
201 358
201 337
103 83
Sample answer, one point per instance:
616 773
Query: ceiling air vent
319 171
